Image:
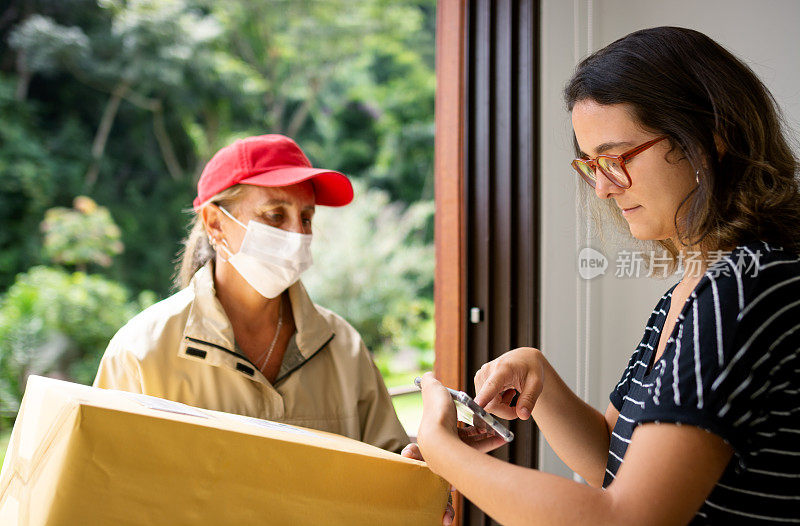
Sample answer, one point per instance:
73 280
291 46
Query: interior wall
590 327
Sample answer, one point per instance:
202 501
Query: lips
631 209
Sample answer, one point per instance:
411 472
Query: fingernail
524 412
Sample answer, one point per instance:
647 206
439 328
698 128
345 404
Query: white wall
590 328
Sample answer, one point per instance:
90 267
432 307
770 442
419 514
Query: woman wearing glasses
683 143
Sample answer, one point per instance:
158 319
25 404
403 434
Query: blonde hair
196 250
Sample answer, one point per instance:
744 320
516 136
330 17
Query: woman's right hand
520 370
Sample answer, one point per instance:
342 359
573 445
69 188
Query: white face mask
270 259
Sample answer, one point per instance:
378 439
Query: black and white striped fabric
732 367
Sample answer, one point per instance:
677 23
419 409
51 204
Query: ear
211 216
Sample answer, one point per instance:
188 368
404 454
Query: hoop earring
697 176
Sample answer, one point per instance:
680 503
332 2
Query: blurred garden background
109 110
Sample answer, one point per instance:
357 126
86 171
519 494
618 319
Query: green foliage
58 323
81 235
370 262
38 168
48 47
410 325
4 438
124 101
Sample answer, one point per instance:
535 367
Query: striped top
731 366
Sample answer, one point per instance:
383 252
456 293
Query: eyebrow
280 202
608 146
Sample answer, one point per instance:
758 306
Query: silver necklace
268 353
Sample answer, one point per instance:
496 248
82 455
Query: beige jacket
182 349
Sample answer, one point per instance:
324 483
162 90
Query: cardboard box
85 456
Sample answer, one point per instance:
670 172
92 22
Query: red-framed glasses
613 166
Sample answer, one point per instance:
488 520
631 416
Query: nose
296 224
603 186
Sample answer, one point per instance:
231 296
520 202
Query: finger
490 395
412 451
493 386
465 432
507 396
528 396
497 408
486 444
449 515
481 375
432 389
494 404
436 401
482 439
472 431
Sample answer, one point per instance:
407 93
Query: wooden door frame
449 289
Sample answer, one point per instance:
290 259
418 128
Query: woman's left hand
439 426
439 423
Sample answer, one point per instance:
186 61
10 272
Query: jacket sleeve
379 423
119 369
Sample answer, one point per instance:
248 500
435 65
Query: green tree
142 57
124 101
82 235
151 89
370 259
57 323
352 81
38 168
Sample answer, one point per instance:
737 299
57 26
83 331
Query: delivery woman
685 145
243 336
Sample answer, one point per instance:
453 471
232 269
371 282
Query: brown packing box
85 456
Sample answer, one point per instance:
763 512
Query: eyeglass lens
612 168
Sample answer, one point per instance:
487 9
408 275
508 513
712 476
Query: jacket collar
209 323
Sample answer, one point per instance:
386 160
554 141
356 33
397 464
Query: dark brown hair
720 116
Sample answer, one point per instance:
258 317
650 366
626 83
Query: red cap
269 160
